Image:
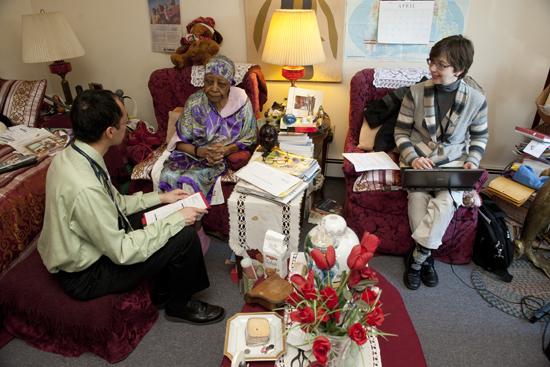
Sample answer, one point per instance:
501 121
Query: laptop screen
439 179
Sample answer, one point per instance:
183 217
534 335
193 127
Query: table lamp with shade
294 41
49 37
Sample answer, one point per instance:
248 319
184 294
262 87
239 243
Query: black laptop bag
493 248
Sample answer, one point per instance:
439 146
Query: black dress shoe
195 312
411 276
160 299
427 273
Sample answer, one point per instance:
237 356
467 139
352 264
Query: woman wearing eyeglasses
442 122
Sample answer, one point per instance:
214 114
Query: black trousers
178 265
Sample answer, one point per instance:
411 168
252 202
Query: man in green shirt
93 238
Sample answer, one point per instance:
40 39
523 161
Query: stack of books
528 145
279 177
296 143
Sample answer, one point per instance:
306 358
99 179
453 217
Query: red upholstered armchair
169 89
385 213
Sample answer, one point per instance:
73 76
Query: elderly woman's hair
459 52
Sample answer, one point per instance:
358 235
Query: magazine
296 165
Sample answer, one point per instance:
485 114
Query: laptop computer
439 179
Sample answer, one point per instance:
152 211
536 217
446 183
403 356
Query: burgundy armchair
385 213
170 88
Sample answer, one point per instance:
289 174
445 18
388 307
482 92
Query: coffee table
402 350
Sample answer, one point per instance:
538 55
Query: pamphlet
195 200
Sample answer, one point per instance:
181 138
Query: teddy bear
200 45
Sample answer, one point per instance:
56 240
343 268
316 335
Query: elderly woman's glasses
278 158
438 65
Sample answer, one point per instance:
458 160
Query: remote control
16 163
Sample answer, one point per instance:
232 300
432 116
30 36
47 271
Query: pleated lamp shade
293 39
49 37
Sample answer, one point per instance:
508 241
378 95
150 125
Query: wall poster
165 25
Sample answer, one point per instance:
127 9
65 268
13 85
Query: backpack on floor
493 248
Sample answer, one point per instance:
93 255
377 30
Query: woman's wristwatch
196 149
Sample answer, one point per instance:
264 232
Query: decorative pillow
375 180
20 100
142 171
173 117
366 138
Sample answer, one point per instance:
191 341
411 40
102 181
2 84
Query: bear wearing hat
200 45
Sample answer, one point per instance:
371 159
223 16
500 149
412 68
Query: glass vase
339 349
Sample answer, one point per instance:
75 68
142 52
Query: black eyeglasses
277 158
438 65
124 123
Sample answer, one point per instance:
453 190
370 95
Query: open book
195 200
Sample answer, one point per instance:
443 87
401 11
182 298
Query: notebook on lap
439 179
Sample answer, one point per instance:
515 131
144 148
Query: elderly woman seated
217 120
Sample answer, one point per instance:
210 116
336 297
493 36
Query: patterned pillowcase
20 100
142 171
375 180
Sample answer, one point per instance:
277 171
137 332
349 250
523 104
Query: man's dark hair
459 52
92 112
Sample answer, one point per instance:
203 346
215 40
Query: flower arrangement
351 309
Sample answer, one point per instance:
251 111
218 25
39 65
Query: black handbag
493 247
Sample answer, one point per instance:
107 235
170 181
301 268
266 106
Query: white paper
536 148
267 178
370 161
195 200
405 22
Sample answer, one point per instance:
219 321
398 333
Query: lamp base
293 73
61 68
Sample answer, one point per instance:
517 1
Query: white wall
511 61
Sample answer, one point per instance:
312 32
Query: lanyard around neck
99 171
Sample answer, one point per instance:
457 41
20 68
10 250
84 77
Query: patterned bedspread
22 200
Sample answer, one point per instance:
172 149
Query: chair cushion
20 100
38 311
366 137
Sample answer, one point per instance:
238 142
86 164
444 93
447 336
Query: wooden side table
322 137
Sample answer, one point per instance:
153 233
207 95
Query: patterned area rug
528 280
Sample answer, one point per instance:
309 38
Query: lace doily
370 350
197 74
398 77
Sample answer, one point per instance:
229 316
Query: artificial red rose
316 364
368 273
303 316
358 334
322 315
375 317
324 261
293 299
308 291
321 348
331 301
369 296
353 278
305 287
361 254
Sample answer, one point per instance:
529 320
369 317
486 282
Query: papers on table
267 178
280 181
195 200
371 161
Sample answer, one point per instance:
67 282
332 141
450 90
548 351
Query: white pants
430 213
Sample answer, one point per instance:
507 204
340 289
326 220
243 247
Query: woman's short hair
459 52
92 112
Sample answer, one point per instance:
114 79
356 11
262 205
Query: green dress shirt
81 219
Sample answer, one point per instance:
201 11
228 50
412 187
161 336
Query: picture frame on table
297 102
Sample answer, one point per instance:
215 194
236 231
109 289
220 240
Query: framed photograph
95 86
299 101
